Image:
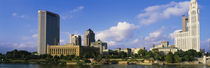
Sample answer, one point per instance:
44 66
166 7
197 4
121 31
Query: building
68 49
127 51
118 49
135 50
101 45
57 50
164 48
89 37
165 43
189 36
75 39
48 30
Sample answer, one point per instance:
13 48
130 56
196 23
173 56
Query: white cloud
8 46
26 45
135 41
32 37
152 36
208 40
171 35
18 15
205 44
155 38
70 14
14 14
156 35
154 13
118 33
35 35
78 9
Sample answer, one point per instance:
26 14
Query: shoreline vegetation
143 57
114 61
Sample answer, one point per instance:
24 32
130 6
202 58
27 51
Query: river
98 66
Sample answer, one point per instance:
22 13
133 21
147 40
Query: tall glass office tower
48 29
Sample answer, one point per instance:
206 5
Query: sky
120 23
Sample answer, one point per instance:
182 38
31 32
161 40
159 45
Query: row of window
62 51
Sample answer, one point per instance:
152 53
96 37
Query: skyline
118 21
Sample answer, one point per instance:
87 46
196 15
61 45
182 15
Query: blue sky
121 23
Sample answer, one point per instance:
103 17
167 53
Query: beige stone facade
64 50
165 48
68 49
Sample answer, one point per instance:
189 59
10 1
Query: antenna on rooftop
209 46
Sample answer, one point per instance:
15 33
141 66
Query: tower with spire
189 36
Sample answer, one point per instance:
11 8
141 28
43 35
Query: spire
193 0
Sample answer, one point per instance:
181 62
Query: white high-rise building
189 36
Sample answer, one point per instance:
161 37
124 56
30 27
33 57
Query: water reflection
98 66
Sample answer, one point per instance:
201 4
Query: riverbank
102 62
98 66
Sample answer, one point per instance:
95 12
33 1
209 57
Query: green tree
62 56
17 54
157 55
98 58
135 56
169 57
123 55
177 58
142 53
149 55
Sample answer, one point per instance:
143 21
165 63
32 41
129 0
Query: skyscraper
48 29
189 36
89 37
75 39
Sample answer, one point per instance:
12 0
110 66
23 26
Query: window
193 16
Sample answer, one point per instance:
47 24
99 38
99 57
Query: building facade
48 30
75 39
127 51
101 45
135 50
58 50
89 37
189 36
68 49
118 49
164 48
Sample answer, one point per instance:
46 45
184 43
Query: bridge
206 59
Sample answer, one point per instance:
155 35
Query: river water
98 66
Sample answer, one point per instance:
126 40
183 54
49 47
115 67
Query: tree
177 58
134 56
122 55
142 53
62 56
169 57
149 55
17 54
157 55
98 58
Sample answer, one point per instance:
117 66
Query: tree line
179 56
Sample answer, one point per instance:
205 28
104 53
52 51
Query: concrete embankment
71 63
